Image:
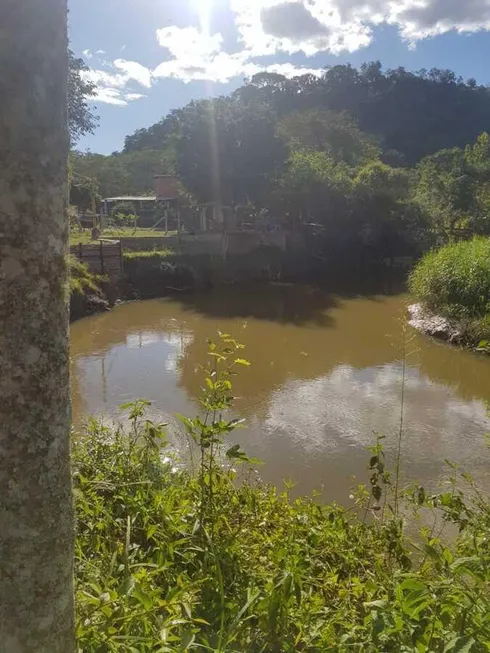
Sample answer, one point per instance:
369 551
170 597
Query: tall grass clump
454 281
82 281
174 559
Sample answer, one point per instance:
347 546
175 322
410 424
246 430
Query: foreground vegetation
454 281
176 558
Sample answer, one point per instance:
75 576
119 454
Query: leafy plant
170 560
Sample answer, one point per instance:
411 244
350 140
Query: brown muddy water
326 376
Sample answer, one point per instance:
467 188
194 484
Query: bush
454 281
168 559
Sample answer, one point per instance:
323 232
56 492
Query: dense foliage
81 117
176 558
411 114
115 176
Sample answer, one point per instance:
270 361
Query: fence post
102 257
121 256
80 251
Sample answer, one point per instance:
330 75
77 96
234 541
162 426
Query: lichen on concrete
36 520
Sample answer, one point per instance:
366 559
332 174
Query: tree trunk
36 521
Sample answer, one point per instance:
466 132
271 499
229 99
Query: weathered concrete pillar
36 521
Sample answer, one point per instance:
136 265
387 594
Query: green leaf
242 361
127 586
187 639
376 604
412 584
143 597
460 645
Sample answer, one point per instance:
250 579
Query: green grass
85 237
155 255
82 280
173 557
455 280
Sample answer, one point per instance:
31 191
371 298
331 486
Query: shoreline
453 332
434 325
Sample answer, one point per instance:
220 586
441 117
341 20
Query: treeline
411 115
386 162
119 174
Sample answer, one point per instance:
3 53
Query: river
326 375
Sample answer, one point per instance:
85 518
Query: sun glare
204 8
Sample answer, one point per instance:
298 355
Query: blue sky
150 56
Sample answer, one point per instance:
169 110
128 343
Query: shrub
455 280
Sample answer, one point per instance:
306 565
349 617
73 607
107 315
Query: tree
410 114
224 152
36 521
447 189
127 173
335 133
82 119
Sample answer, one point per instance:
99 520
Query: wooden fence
102 257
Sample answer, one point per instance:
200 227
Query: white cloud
195 55
189 42
271 27
114 87
130 97
110 96
267 27
134 71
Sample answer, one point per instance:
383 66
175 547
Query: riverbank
435 326
163 273
471 334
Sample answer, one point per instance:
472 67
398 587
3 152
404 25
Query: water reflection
326 373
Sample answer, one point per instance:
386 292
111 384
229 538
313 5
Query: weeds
168 560
82 281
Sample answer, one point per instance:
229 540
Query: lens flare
204 8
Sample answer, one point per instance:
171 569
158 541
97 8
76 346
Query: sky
150 56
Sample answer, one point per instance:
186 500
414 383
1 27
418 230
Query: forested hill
386 162
411 115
